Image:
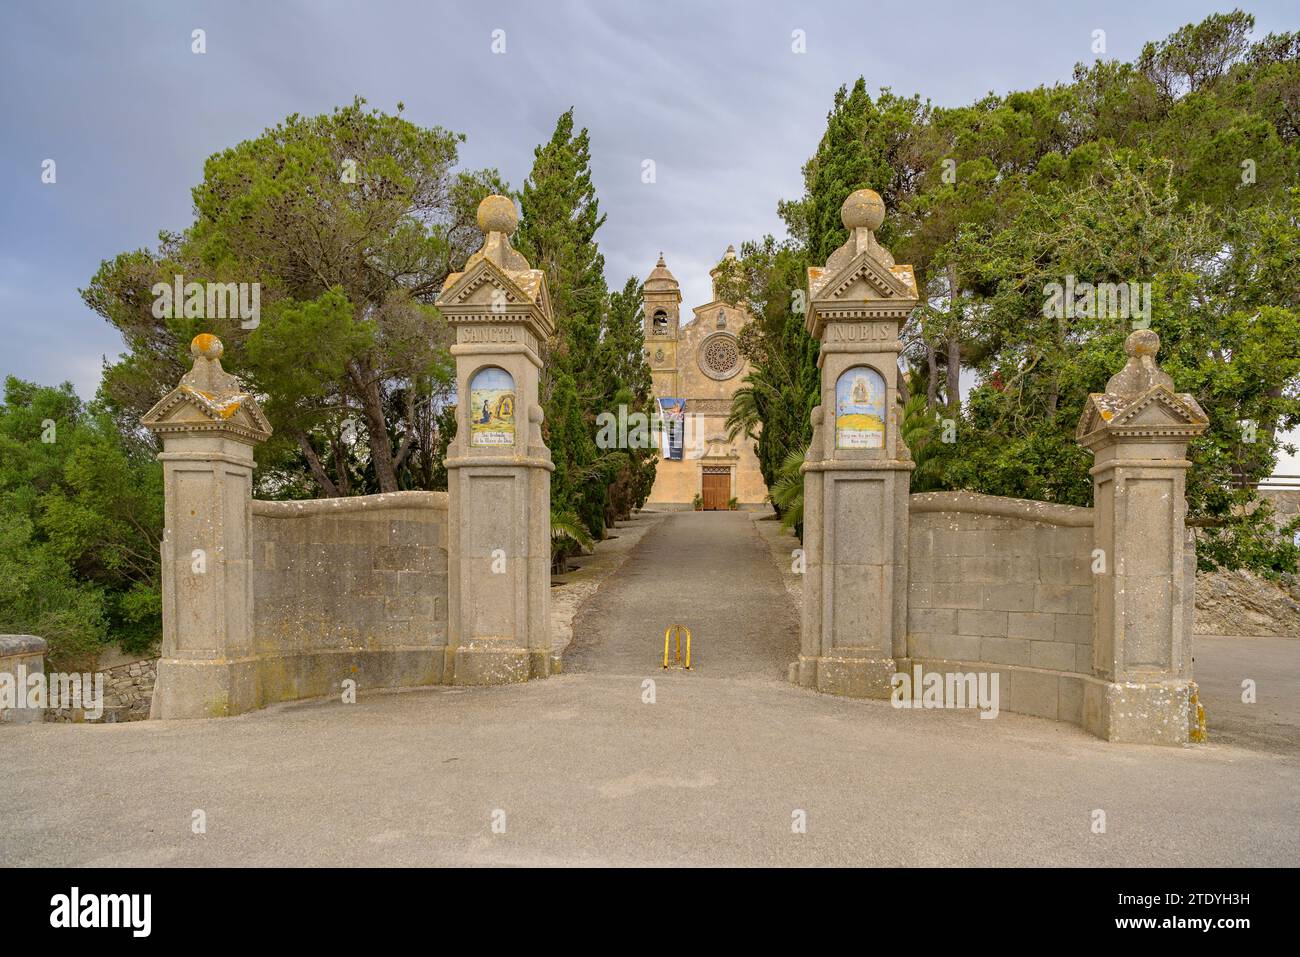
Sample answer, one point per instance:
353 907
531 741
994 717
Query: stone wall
1003 586
128 689
1285 502
1000 580
349 588
128 693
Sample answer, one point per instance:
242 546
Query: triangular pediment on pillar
1140 401
866 287
520 293
209 399
476 285
863 278
1159 411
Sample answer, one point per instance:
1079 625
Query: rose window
720 358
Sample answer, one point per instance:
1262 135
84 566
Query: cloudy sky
712 92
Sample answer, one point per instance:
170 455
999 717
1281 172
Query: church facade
696 368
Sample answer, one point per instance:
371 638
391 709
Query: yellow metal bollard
668 633
1197 732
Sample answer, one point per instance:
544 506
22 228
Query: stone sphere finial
497 214
864 207
1142 342
206 346
1140 372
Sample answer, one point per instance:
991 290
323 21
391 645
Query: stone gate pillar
858 468
498 467
208 426
1137 431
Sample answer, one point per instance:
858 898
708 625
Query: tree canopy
80 526
349 223
1174 176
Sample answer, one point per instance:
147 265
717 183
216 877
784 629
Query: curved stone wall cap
22 645
976 503
436 501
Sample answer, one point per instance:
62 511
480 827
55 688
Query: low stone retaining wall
128 694
128 689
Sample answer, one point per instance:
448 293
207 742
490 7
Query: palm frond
566 526
787 490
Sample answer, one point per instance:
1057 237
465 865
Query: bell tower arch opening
663 303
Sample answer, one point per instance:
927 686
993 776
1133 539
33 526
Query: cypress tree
557 233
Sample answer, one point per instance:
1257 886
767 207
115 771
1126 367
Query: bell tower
663 305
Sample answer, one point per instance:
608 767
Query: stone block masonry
128 694
349 588
1004 586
